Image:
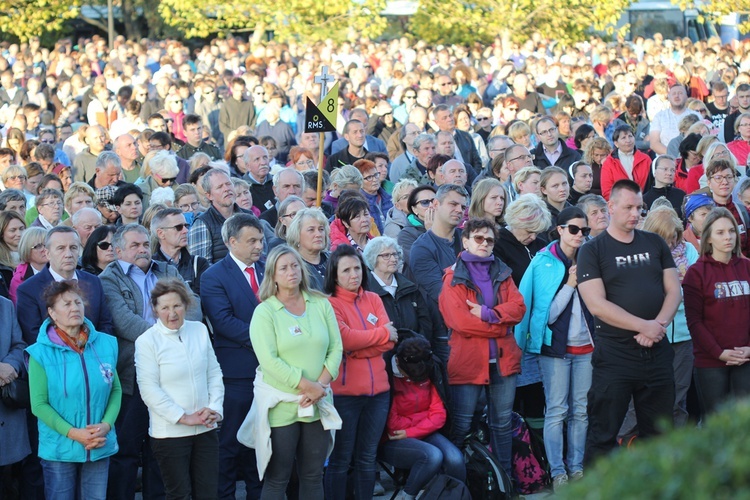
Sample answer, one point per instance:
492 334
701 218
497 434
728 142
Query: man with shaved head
84 165
127 150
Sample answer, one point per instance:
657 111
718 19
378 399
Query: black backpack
445 487
485 477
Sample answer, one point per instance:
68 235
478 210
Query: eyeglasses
721 178
306 163
479 239
573 229
189 206
425 203
482 118
372 177
522 157
38 246
290 215
389 256
548 131
178 227
104 245
169 180
16 177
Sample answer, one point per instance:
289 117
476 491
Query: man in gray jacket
127 283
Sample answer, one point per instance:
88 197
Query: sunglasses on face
178 227
104 245
168 179
479 239
573 229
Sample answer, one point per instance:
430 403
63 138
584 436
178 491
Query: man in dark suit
229 291
63 247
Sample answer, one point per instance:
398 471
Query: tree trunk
130 20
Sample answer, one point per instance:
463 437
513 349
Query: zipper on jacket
343 361
372 378
88 398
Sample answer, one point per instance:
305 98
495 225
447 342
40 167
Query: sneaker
378 491
559 482
577 475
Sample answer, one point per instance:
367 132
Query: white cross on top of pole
323 79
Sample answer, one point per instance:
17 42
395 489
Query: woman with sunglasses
421 213
98 251
481 304
159 170
32 255
558 327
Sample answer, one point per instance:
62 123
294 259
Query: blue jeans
364 419
71 480
566 385
425 457
500 394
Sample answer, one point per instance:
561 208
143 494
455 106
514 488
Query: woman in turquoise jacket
558 326
75 394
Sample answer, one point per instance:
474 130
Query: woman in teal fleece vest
75 394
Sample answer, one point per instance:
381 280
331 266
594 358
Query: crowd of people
555 231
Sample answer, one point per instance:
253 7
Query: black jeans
619 373
715 385
308 444
132 437
189 465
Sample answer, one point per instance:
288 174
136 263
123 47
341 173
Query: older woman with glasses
396 219
288 209
481 304
98 251
404 303
722 178
32 256
301 159
49 204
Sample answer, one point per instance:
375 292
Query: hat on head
695 202
104 196
58 168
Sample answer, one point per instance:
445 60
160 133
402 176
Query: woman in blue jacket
558 326
75 394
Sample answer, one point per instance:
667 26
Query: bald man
84 165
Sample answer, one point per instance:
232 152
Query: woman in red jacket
625 162
481 304
417 414
717 306
361 390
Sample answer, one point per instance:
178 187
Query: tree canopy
27 18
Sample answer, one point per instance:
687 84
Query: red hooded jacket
416 408
469 359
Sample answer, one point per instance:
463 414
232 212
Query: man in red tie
229 290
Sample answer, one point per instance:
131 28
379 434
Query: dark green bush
712 462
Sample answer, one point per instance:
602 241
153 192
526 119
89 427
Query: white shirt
57 277
244 266
666 122
388 288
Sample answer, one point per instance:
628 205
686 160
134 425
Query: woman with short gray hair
159 170
310 234
342 178
527 220
404 303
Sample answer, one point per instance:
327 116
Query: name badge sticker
295 330
268 205
372 319
742 228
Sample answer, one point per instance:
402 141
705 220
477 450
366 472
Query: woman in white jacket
181 383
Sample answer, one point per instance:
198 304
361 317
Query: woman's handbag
16 394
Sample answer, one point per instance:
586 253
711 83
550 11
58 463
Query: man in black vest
204 238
